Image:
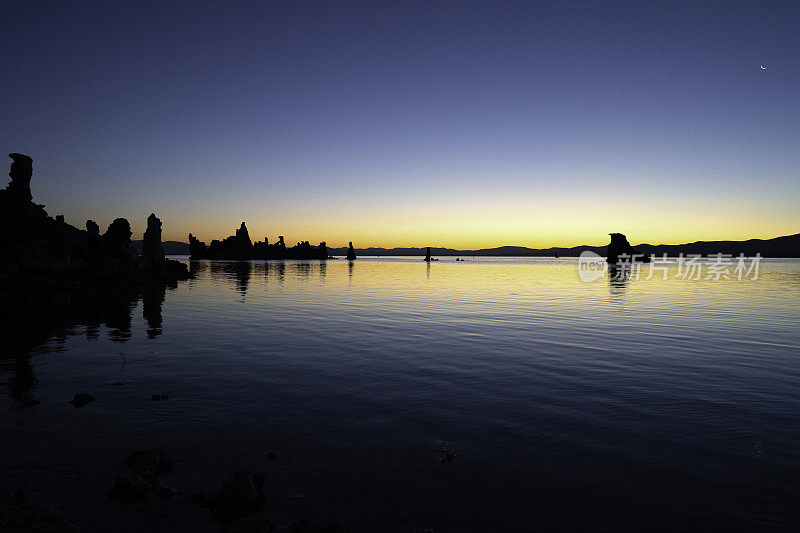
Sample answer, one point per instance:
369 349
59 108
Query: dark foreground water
615 404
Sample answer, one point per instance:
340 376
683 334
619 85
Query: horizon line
532 248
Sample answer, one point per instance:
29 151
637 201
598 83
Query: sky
459 124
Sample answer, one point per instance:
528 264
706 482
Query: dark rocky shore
39 250
56 279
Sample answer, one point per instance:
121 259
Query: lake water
612 404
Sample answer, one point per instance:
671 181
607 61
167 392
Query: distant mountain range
787 246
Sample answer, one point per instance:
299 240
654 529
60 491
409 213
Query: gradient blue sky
411 123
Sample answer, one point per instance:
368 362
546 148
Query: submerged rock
145 465
447 454
131 489
252 524
241 495
149 463
17 514
166 492
314 526
81 400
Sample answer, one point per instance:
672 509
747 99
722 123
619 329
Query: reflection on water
618 280
152 298
640 398
31 318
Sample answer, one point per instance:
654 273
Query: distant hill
170 247
787 246
500 251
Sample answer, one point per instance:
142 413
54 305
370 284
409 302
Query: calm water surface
615 404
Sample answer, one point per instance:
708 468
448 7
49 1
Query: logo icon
591 266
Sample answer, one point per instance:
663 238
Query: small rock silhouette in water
81 400
619 246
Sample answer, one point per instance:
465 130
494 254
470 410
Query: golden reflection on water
526 281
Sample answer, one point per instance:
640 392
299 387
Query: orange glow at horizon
461 228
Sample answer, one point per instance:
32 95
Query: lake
619 403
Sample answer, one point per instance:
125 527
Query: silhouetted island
239 247
40 250
620 249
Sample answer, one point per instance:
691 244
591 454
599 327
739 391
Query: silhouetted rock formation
351 253
21 172
619 246
238 247
155 266
197 248
428 254
39 250
152 251
92 228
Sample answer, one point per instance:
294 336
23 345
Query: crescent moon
763 67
